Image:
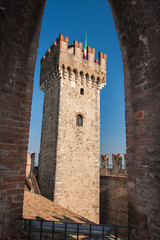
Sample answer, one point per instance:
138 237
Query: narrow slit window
79 120
82 91
63 70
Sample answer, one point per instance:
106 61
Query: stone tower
69 152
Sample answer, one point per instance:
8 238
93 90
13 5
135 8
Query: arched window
87 76
69 72
75 72
82 76
98 80
82 91
93 79
79 120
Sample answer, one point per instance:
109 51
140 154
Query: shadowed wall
137 24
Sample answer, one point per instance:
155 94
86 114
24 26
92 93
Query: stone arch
75 72
138 52
87 78
135 22
82 91
81 75
69 72
93 79
98 80
79 120
80 113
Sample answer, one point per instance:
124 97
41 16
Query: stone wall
113 200
117 165
113 193
69 154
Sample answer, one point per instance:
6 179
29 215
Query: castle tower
69 152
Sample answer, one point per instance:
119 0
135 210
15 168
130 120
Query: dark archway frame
137 24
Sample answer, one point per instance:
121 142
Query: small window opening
82 91
79 120
69 72
63 70
93 79
98 80
75 74
87 76
81 75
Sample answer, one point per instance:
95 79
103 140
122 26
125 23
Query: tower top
62 56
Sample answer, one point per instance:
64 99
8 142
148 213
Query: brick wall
19 27
137 24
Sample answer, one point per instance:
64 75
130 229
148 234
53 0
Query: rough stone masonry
69 152
137 24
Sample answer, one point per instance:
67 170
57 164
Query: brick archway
137 25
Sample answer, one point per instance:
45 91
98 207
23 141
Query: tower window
98 80
63 70
79 120
82 91
82 76
69 71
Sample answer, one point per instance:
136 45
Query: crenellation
78 52
61 37
54 48
116 169
42 61
102 59
73 55
90 55
80 45
48 54
75 43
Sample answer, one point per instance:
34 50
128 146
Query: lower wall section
113 201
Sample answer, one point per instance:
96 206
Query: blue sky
73 18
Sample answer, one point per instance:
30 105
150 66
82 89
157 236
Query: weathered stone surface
113 201
113 193
117 169
69 154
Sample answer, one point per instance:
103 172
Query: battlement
116 169
62 59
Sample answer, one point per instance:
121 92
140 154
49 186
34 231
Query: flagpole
85 47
